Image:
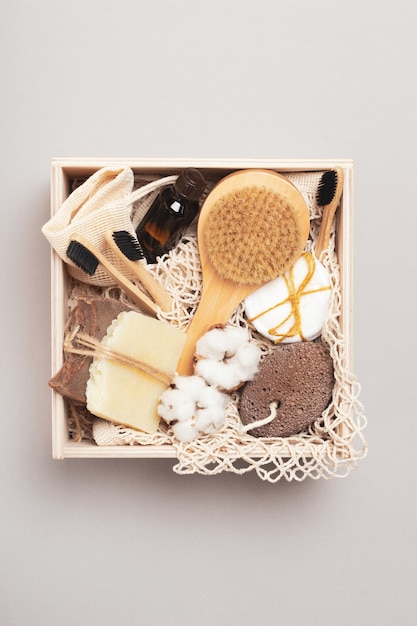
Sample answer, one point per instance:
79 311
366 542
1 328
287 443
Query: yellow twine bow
294 298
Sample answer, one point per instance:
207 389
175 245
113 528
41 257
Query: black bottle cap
190 183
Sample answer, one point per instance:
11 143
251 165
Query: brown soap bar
93 315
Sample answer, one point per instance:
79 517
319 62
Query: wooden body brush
252 227
328 196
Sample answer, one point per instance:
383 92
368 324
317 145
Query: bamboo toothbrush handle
158 293
323 237
140 298
328 214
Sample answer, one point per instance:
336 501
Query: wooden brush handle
140 298
158 293
199 325
203 319
218 301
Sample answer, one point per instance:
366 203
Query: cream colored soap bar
125 394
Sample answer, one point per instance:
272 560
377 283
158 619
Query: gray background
120 542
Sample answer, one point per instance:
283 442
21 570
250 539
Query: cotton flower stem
266 420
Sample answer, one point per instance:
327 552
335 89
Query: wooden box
64 170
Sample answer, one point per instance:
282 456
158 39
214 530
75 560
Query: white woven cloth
103 202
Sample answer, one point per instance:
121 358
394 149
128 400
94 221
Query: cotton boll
208 370
209 420
226 358
211 344
193 407
192 386
174 404
210 396
248 356
236 337
211 412
220 341
219 374
185 431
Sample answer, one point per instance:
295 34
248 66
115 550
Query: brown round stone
299 377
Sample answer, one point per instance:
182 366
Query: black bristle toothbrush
328 195
129 250
87 257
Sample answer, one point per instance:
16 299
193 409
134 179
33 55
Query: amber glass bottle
171 212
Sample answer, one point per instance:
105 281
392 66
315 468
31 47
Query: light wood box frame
65 169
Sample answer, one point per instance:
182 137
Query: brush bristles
129 245
326 188
82 257
252 235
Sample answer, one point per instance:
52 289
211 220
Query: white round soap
294 306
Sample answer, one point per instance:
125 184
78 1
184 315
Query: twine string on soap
93 347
